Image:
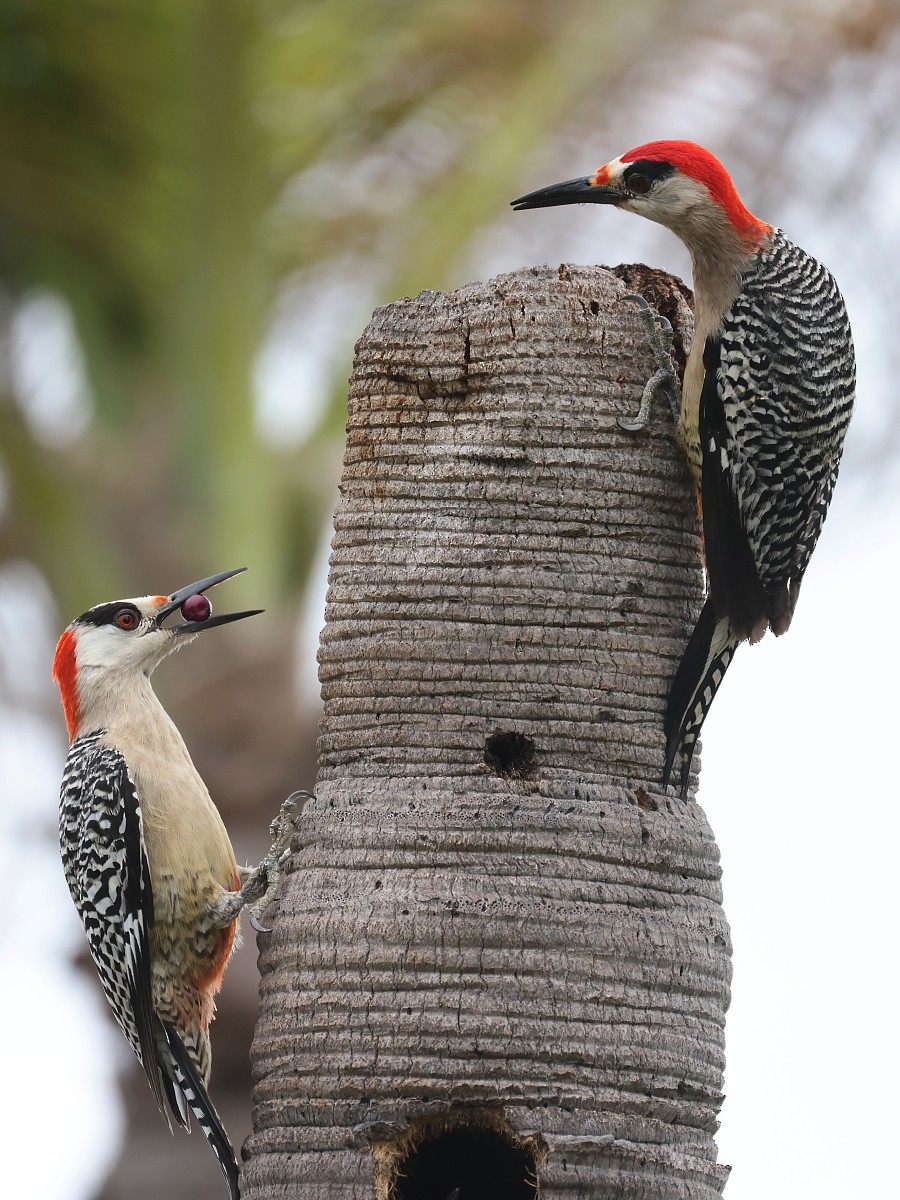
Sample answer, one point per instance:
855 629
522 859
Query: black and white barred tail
189 1090
702 668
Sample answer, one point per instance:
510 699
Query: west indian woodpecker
764 405
146 856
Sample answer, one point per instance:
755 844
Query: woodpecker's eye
639 184
126 619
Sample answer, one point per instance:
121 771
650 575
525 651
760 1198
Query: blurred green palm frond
168 166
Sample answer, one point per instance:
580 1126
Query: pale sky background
799 770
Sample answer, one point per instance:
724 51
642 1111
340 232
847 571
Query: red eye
639 184
126 619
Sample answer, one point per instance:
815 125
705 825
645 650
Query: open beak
572 191
178 598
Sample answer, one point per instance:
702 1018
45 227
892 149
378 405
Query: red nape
64 672
697 162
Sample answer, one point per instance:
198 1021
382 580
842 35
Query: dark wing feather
735 590
105 862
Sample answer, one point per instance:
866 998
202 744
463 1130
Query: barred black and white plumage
774 414
105 863
775 404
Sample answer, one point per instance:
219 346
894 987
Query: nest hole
467 1163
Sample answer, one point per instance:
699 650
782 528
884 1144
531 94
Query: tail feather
709 651
177 1105
189 1084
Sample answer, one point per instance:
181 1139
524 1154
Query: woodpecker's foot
259 885
265 881
659 334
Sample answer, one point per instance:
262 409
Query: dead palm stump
500 962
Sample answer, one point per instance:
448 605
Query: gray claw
281 829
254 921
659 334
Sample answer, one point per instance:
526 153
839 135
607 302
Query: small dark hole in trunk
511 754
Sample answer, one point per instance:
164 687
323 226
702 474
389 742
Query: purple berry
196 608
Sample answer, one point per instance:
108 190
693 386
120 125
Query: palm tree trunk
502 956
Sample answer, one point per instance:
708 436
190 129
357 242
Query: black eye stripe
105 614
654 171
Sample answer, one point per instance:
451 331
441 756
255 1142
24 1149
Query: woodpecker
145 853
764 406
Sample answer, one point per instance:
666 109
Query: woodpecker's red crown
699 163
678 184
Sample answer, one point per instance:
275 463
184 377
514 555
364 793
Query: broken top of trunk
499 931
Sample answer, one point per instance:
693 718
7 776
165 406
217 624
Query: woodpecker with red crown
764 407
146 856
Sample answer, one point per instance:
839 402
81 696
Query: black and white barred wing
775 408
105 863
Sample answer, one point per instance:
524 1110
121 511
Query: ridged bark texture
499 936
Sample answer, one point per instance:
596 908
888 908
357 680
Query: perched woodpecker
764 405
146 855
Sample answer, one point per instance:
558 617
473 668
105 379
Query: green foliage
167 166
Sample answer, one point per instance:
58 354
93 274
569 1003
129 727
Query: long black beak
178 598
572 191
